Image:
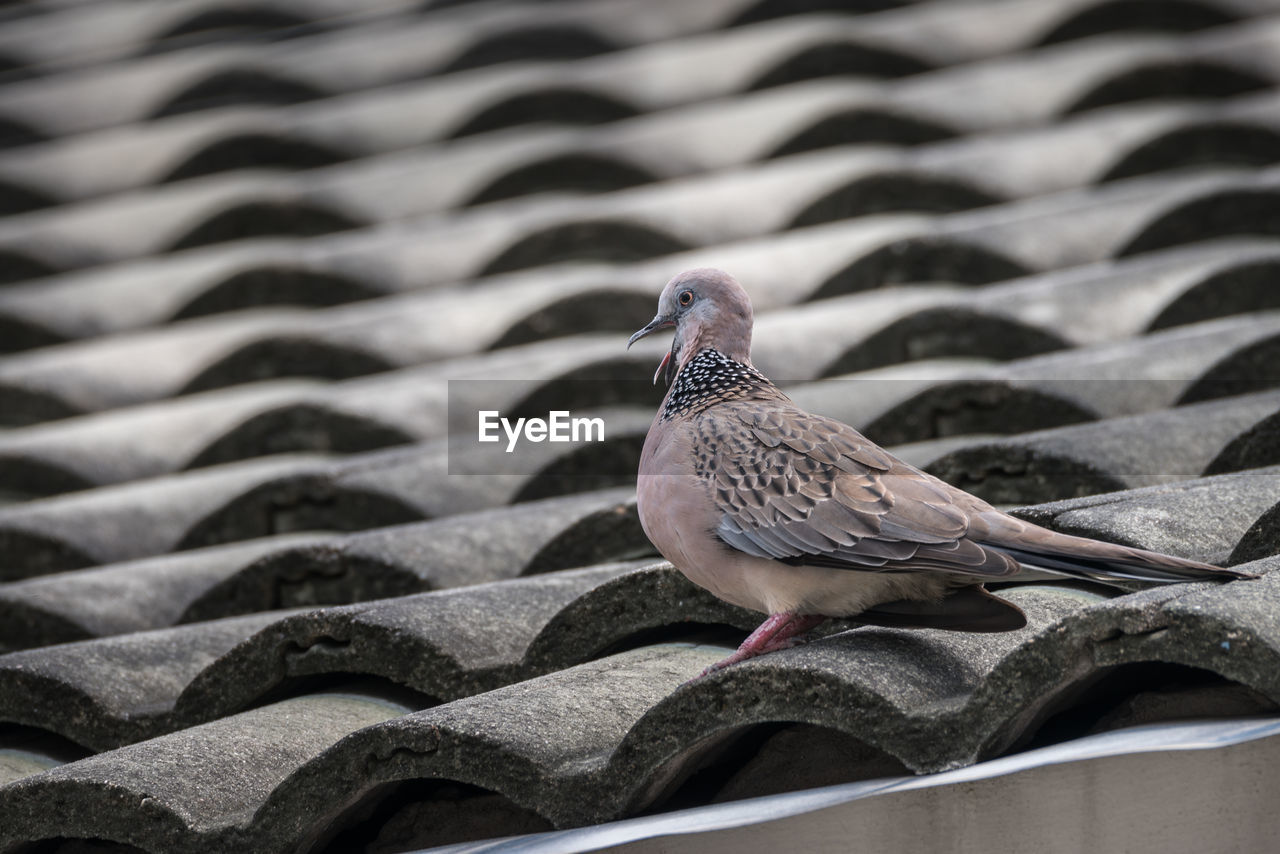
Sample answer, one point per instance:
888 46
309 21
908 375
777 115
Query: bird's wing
805 489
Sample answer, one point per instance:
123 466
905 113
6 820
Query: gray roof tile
1061 224
1209 515
116 372
172 779
1136 375
634 765
959 174
80 33
134 596
951 35
127 688
144 518
462 642
919 401
934 675
1240 45
541 743
109 692
1103 456
628 225
939 177
966 247
292 570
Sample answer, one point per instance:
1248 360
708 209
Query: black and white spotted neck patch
709 378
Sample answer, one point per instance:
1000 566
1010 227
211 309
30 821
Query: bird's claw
745 652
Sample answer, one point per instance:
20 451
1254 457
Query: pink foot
780 631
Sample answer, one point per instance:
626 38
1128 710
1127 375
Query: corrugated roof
252 598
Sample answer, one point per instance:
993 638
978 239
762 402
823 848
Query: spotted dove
803 518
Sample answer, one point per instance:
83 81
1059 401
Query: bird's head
707 308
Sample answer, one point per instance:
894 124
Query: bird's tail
1080 557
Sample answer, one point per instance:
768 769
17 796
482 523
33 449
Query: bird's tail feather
1110 562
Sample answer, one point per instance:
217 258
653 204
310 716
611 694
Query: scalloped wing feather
801 488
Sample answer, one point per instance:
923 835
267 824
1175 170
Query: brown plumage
803 518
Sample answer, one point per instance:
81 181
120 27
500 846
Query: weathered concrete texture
293 570
445 645
935 700
1109 455
930 396
1003 321
144 518
133 596
928 700
518 308
126 597
470 548
541 744
1130 377
1233 630
1203 518
96 236
899 692
113 691
170 792
606 738
138 437
1066 222
279 495
1261 540
1022 318
655 602
408 330
452 40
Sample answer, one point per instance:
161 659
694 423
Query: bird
801 517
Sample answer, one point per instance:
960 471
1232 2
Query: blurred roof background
259 261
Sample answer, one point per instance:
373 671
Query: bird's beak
668 361
659 322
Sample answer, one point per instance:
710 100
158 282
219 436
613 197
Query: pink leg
780 631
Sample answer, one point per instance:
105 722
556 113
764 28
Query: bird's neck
729 339
710 377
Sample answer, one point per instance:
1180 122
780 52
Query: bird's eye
686 297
